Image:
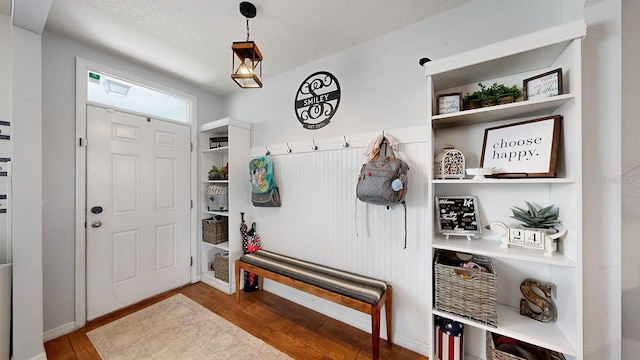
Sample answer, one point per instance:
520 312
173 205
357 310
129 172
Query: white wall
630 181
5 67
58 143
601 78
27 187
5 115
5 100
383 87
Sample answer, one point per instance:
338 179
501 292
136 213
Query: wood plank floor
293 329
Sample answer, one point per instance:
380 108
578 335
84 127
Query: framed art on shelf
458 215
524 149
449 103
543 85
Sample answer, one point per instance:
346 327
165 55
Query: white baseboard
42 356
411 344
59 331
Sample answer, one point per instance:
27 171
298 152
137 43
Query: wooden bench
354 291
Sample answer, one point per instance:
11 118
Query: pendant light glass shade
247 64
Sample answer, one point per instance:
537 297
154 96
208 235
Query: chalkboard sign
458 215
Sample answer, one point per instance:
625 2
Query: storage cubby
510 62
234 154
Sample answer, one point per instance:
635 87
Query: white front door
138 208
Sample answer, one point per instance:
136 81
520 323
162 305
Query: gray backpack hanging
384 180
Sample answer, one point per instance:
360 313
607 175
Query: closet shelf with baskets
514 61
224 154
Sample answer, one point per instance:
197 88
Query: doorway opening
113 90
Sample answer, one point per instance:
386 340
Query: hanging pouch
264 190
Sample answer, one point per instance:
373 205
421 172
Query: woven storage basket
469 293
494 354
215 231
221 267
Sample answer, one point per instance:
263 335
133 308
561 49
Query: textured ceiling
192 38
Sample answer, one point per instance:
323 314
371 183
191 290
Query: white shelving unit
510 62
236 155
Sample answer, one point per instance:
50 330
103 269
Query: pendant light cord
247 29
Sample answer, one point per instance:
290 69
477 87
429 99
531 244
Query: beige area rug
178 328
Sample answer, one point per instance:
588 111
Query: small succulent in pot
532 217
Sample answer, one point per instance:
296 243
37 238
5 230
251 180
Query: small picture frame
524 149
449 103
218 142
458 216
543 85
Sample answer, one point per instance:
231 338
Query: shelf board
466 356
516 110
218 149
221 213
221 246
226 181
223 124
208 277
514 325
492 248
512 56
506 181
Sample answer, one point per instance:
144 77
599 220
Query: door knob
96 224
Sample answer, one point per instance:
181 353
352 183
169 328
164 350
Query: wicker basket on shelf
215 231
467 292
538 352
221 267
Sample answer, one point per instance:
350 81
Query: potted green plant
495 94
533 217
216 173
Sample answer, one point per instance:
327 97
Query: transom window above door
117 93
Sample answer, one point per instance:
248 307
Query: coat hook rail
268 152
343 142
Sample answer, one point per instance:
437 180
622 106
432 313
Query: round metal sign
317 100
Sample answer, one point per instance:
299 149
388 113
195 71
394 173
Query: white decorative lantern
449 164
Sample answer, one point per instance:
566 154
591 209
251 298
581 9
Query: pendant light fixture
247 59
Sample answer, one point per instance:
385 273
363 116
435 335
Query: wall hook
315 147
346 143
268 152
288 149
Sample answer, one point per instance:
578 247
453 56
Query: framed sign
458 215
543 85
523 149
449 103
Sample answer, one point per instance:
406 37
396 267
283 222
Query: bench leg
375 332
237 281
388 306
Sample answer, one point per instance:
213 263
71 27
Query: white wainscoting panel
321 221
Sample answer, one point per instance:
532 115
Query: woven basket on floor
494 354
215 231
469 293
221 267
